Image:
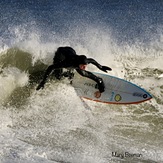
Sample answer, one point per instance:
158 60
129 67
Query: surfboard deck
117 91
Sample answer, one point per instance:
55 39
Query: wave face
53 125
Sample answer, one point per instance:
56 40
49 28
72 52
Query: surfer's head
82 62
82 66
82 59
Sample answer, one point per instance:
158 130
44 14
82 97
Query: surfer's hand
105 68
97 94
41 85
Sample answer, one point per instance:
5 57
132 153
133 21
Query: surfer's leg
58 73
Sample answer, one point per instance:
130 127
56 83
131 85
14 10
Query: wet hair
82 59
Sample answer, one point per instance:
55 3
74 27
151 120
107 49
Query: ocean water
52 125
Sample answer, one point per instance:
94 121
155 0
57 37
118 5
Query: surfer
66 57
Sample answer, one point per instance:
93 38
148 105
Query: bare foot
97 94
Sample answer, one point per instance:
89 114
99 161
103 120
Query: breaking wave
53 125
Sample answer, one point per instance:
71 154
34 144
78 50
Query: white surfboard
117 91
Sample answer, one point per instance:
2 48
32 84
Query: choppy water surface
52 125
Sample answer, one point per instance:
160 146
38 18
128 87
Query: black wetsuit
66 57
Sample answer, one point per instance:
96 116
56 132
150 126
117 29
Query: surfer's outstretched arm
103 68
90 75
47 73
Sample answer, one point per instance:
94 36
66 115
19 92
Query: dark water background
128 20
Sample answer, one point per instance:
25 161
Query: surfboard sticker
117 91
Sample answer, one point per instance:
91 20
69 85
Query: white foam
10 79
53 115
161 76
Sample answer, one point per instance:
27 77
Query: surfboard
117 90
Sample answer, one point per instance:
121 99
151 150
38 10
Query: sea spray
10 79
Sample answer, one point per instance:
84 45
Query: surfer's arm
47 73
103 68
90 75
